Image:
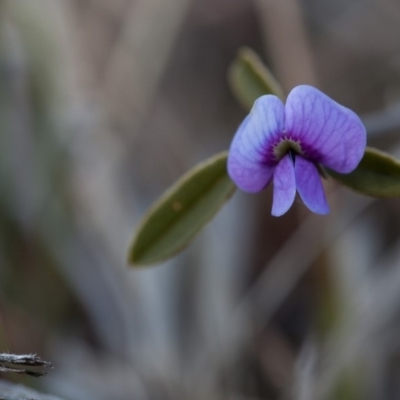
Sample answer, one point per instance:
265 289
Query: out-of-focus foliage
102 105
249 78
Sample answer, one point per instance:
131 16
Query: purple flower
286 143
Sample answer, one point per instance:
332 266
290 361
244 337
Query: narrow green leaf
249 78
174 220
378 175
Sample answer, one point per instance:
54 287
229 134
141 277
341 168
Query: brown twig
31 360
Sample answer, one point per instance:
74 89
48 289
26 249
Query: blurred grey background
104 104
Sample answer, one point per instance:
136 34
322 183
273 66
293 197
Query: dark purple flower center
287 145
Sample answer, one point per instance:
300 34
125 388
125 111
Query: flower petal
329 133
251 162
309 186
284 186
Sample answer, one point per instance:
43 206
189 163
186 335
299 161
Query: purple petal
329 133
309 186
250 160
284 186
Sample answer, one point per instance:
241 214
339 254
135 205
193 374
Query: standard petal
284 186
250 161
329 133
309 186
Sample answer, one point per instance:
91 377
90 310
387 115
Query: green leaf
378 175
174 220
249 78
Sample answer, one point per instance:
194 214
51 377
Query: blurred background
104 104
